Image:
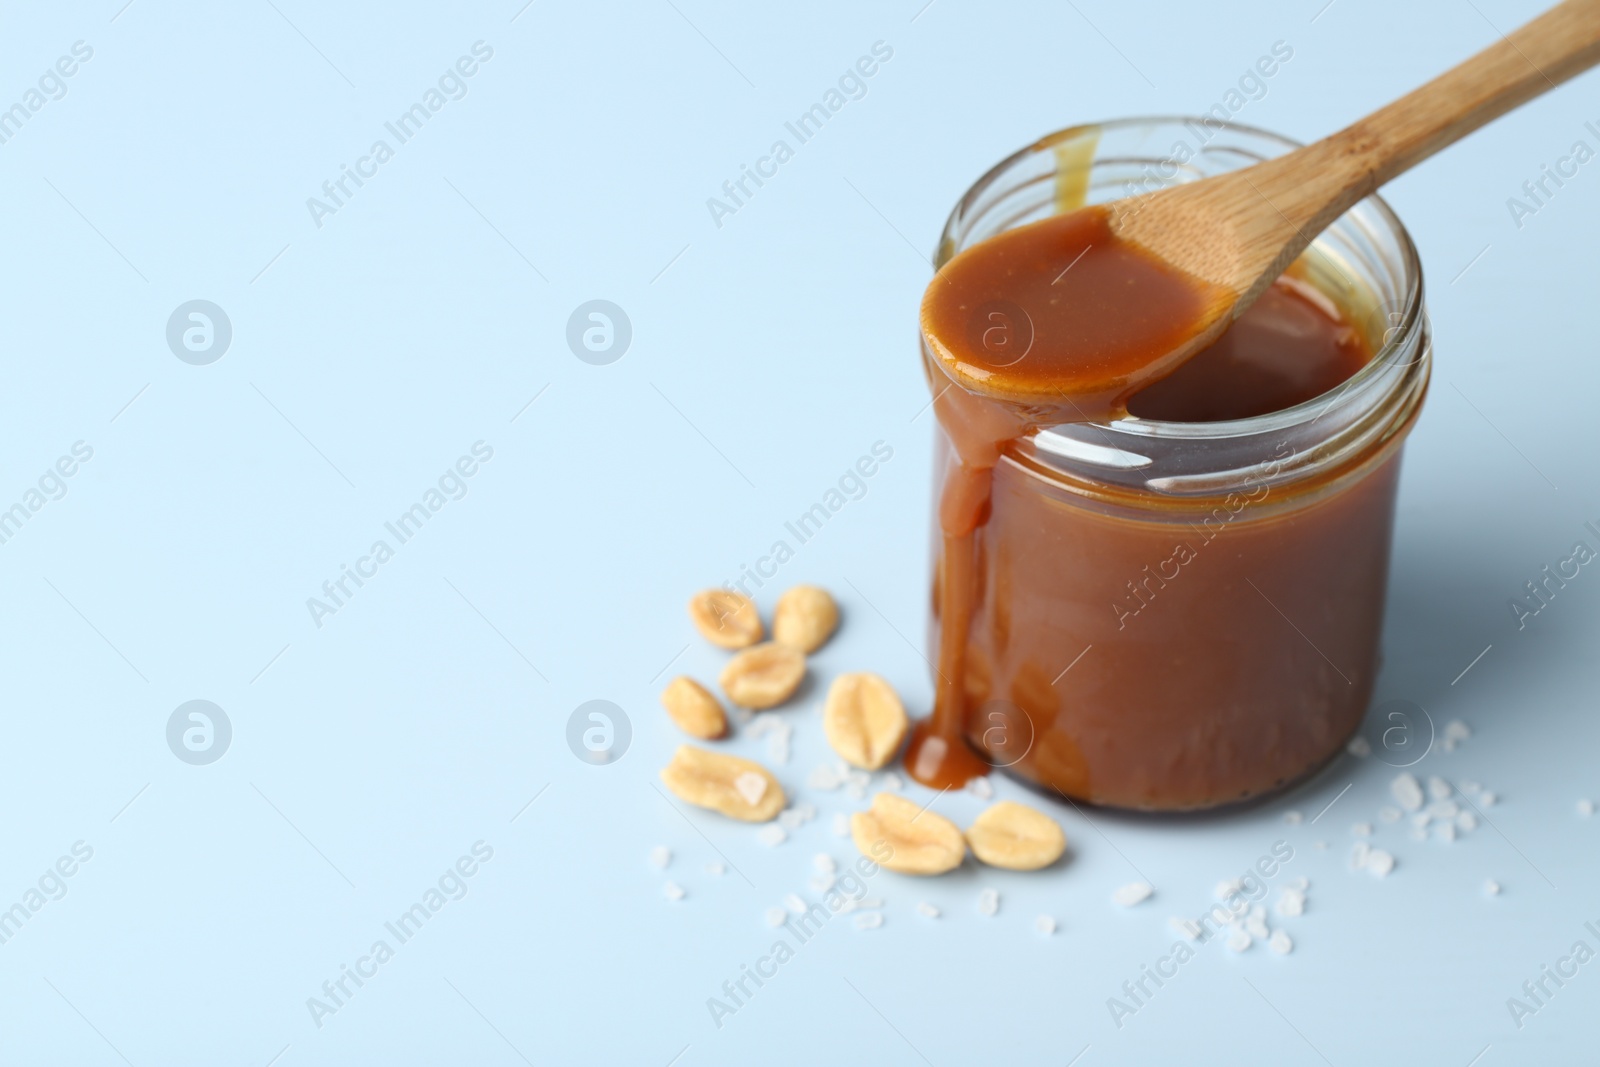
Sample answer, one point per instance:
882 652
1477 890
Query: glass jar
1173 616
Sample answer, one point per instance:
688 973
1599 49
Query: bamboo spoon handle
1221 230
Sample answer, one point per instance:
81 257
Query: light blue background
768 355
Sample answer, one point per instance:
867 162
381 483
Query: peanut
805 618
738 788
864 720
764 676
919 842
1016 837
694 709
725 618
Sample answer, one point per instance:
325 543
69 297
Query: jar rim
1395 341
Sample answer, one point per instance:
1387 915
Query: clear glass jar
1173 616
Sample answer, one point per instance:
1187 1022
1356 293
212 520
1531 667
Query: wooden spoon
1238 231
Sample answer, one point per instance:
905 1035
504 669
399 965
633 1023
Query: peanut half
694 709
864 720
805 618
764 676
1016 837
919 842
725 618
738 788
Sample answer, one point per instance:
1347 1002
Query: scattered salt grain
822 882
1492 887
825 778
1468 786
1132 893
1292 902
1256 924
1444 809
1438 788
823 863
1293 818
891 780
989 902
869 902
776 916
1421 819
1456 730
1184 927
790 819
927 911
1419 833
1389 813
1226 888
1362 829
673 890
1301 883
1486 799
1359 855
716 867
1586 807
855 785
1380 863
793 902
778 744
981 788
869 920
1279 942
1239 940
1045 925
1447 831
660 856
751 786
1359 747
1407 791
1319 844
841 824
772 835
1466 822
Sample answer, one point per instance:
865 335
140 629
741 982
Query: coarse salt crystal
1359 855
1293 818
1045 925
1389 813
1457 730
1586 808
790 819
660 856
822 882
1359 747
1239 940
776 916
981 788
1226 888
1421 819
673 890
824 778
751 786
1492 887
1301 883
989 902
1279 942
841 824
1380 863
1362 829
716 867
1438 788
869 920
1407 791
793 902
1419 833
927 911
870 902
1468 786
1466 821
1447 831
824 863
1132 894
891 780
1486 800
1443 809
772 834
1184 927
1292 902
1256 924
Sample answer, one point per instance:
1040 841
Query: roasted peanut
1016 837
764 676
917 840
725 618
864 720
738 788
694 709
805 618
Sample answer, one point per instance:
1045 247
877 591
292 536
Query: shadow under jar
1183 610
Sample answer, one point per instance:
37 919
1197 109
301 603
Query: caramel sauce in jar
1174 631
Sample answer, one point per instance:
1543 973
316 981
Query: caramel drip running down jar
1181 608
